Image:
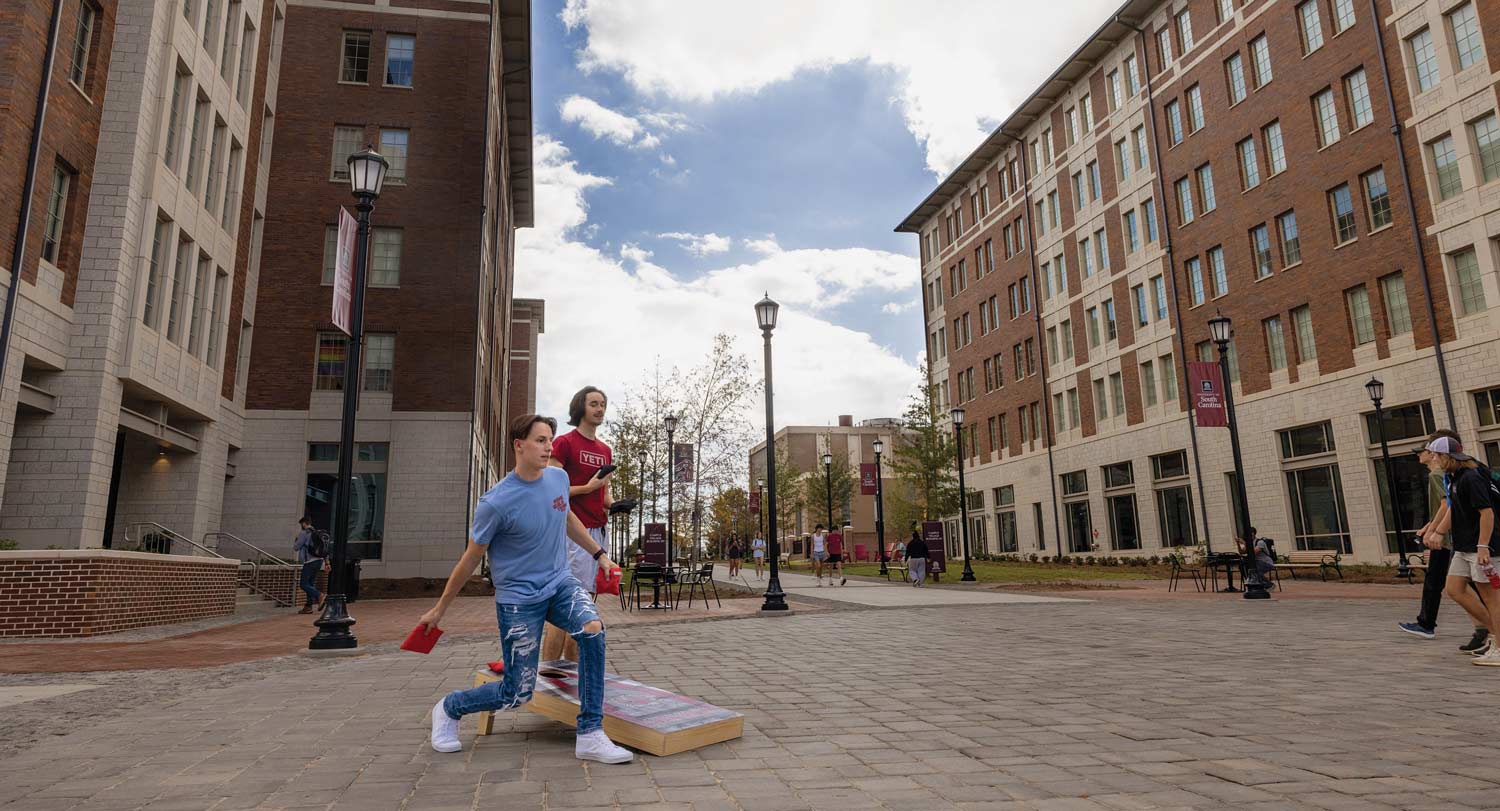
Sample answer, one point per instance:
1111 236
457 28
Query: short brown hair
575 408
520 427
1450 433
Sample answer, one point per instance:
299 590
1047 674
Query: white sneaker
1490 658
1489 645
444 730
597 746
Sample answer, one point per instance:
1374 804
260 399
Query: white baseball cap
1448 447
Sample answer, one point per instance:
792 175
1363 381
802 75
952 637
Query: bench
1320 559
1416 562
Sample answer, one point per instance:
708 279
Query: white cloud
699 244
763 246
619 128
952 89
607 323
897 308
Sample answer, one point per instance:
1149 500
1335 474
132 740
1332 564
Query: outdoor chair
650 576
1181 568
700 580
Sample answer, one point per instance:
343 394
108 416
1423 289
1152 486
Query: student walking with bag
310 549
1472 501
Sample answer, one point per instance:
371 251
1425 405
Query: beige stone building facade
1243 158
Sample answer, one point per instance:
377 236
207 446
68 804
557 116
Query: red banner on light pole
755 502
343 270
867 478
1208 394
682 462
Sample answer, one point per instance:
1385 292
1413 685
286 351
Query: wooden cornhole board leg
635 715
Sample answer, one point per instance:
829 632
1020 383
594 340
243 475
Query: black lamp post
1377 394
1256 588
366 176
880 509
765 317
828 485
640 520
760 487
671 425
963 493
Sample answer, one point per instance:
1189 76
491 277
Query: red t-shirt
582 457
835 543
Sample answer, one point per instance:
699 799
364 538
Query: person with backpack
1473 496
1440 552
311 551
1265 553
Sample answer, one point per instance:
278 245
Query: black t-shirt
1468 494
915 548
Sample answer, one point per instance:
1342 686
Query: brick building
527 323
442 89
853 444
1322 177
123 389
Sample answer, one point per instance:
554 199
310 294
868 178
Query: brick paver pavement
1099 704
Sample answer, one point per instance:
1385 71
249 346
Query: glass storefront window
1317 501
1005 528
1174 511
1080 527
1123 531
1411 494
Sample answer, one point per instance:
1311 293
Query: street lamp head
1219 327
765 313
879 446
367 172
760 484
827 459
958 416
670 422
1376 389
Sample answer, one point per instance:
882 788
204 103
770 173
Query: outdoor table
1229 562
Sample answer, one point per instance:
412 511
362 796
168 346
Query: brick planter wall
84 592
280 582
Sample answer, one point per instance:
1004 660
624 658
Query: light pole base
784 611
334 625
1256 588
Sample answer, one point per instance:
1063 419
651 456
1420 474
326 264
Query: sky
693 155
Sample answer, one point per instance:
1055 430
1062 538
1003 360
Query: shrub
6 544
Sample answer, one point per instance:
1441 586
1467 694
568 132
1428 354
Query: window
1217 270
216 317
385 257
1148 215
1164 47
1466 39
174 120
215 176
231 39
1361 324
1110 331
1234 71
1142 311
393 146
379 358
1122 160
1260 59
83 37
1205 175
1377 199
1275 342
1275 149
1138 138
1148 383
1073 417
186 254
1159 292
232 180
1093 321
196 143
1344 228
1487 404
1101 250
1113 82
1085 258
1487 139
1312 26
1095 185
1393 291
1086 105
1070 125
1169 466
1470 285
1195 108
367 495
1226 9
57 210
1184 200
1185 29
1249 164
1307 347
1174 510
1260 251
1445 162
1317 504
1174 123
210 26
160 248
1168 378
1327 117
356 64
1132 236
1077 190
346 141
195 304
1195 281
1124 530
1291 244
1052 210
1132 85
1357 94
399 59
1423 59
246 75
1343 15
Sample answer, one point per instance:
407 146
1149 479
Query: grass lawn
996 572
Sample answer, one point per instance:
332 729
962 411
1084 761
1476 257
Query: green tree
729 517
839 479
789 493
924 466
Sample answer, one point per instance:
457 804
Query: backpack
317 545
1270 546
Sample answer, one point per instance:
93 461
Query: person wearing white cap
1472 499
1439 553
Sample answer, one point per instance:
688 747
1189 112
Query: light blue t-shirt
524 524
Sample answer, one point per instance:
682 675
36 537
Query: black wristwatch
599 553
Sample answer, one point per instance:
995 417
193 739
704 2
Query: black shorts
835 558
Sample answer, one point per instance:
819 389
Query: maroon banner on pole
937 550
682 462
343 270
867 478
1207 386
755 502
655 544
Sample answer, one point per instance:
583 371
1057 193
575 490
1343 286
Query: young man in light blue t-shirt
524 524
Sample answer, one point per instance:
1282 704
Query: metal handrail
134 544
265 557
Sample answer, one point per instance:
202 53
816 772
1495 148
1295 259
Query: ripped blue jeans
569 608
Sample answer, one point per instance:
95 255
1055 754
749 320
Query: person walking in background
819 551
916 557
836 557
1472 498
307 547
758 554
1440 552
735 553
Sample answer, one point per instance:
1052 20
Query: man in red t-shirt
582 454
836 556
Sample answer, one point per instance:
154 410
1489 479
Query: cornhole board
635 715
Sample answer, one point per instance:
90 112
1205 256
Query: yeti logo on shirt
591 458
560 504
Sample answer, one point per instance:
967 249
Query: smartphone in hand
604 471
